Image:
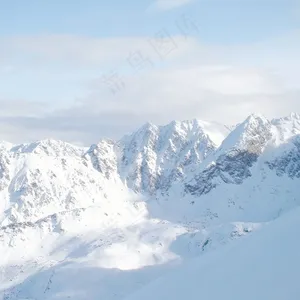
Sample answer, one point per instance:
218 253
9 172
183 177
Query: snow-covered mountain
121 213
154 157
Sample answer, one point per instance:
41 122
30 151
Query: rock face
232 162
155 157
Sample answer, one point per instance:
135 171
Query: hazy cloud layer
187 79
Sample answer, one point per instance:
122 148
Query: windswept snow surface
105 221
264 266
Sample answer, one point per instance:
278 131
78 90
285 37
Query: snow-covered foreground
72 256
264 266
108 264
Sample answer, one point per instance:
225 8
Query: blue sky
56 59
225 21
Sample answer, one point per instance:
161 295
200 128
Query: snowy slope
263 266
47 177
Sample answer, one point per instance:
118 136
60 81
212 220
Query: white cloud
158 96
67 51
11 108
78 51
169 4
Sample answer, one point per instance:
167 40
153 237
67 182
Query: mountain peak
50 147
256 119
295 116
252 134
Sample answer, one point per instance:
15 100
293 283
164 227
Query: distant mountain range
102 222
